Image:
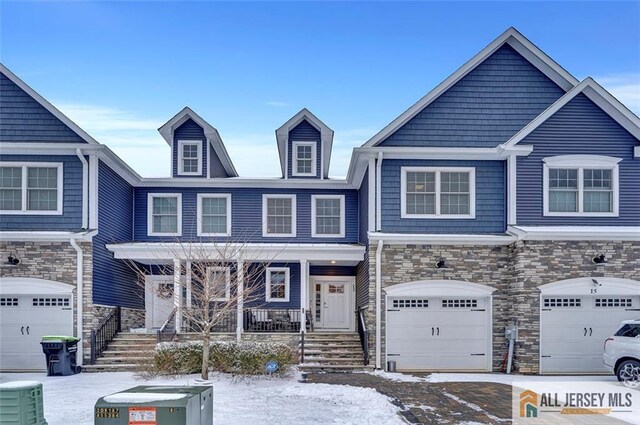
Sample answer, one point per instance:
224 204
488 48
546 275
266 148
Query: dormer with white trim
304 145
197 149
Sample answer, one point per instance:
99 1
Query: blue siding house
501 206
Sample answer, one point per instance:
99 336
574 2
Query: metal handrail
163 329
363 333
104 333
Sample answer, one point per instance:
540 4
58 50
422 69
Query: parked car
622 352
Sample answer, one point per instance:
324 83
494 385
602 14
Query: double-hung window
277 284
219 281
429 192
580 185
214 214
279 215
304 158
327 216
30 188
189 157
164 216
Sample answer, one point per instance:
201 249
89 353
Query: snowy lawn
70 399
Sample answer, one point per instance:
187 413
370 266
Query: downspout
85 188
378 303
379 193
79 297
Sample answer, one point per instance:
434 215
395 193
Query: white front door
334 302
159 299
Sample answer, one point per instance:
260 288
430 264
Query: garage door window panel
562 302
8 302
50 302
410 303
459 303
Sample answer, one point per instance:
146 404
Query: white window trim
150 198
314 151
287 284
25 166
181 144
314 234
437 170
580 162
294 213
227 281
202 196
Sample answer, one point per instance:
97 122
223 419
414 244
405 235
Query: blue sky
122 69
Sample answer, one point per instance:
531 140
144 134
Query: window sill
16 212
164 234
577 214
440 216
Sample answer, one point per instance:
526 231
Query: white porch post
177 293
304 287
239 320
188 284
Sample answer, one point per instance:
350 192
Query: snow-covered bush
243 358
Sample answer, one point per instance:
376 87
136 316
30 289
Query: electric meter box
156 405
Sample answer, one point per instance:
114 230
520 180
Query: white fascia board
442 239
53 148
249 252
576 233
512 37
35 236
48 106
603 99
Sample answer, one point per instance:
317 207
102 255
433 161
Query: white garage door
447 333
26 317
573 329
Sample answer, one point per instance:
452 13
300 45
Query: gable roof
513 38
598 95
326 138
210 132
46 105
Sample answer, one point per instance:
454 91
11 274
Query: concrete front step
334 360
123 360
126 354
333 368
120 367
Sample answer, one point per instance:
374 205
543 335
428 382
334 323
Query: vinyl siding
580 127
247 214
483 109
71 218
490 199
259 295
363 212
114 282
25 120
304 132
189 130
216 169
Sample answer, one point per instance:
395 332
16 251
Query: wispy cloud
276 103
625 87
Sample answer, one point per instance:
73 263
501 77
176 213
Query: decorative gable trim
213 137
46 105
326 140
513 38
598 95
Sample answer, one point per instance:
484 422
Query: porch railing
271 320
167 332
225 322
104 333
363 332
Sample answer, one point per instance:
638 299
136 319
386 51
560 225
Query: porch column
188 284
177 293
304 299
239 317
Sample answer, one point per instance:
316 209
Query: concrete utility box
21 403
156 405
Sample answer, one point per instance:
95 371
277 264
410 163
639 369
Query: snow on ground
70 399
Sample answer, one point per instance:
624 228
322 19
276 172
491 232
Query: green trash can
157 405
60 353
21 403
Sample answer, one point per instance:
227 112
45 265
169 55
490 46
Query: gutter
85 189
378 301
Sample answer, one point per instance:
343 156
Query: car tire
629 371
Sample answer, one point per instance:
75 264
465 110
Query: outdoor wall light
13 261
599 260
441 263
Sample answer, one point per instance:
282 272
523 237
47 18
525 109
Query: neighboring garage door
573 326
25 318
439 332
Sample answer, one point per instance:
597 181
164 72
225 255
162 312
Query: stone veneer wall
537 263
515 271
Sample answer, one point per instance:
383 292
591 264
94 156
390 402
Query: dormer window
189 158
304 159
